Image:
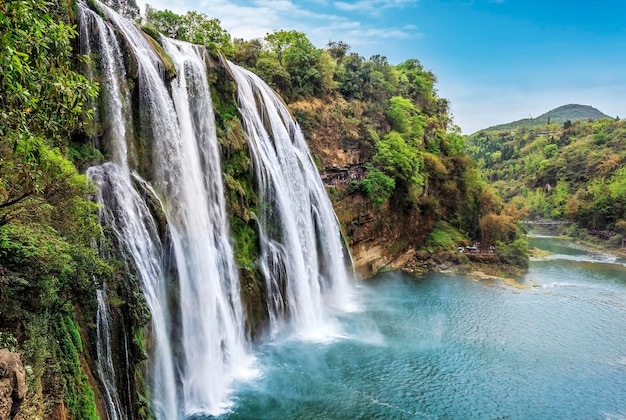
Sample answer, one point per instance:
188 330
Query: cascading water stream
212 319
105 359
195 377
115 95
178 219
305 266
125 213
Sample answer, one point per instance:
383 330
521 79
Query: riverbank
474 265
580 237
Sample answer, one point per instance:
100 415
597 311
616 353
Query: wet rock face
12 384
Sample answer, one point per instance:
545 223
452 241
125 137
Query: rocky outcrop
12 384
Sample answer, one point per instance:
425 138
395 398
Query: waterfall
105 359
163 204
195 359
129 218
303 259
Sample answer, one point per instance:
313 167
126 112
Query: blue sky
496 60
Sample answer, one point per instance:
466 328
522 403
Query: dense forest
572 171
415 173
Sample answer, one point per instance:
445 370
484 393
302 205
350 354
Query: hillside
574 171
571 112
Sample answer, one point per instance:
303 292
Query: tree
167 22
200 30
406 119
274 75
42 103
127 8
497 228
337 50
193 27
246 53
353 77
558 198
377 186
418 84
310 69
400 161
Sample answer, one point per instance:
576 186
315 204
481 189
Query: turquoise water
444 346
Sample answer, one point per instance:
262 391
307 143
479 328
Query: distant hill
559 115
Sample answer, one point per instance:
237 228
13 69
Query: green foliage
193 27
310 69
127 8
445 236
246 53
204 31
40 92
515 253
77 393
377 186
399 160
571 172
274 75
558 198
43 272
406 119
419 85
8 341
167 22
53 348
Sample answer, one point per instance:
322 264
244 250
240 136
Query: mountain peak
559 115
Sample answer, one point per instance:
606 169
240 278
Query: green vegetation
376 185
558 115
193 27
444 236
575 171
47 223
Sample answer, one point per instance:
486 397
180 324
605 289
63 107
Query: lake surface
445 346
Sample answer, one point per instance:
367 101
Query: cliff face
341 147
342 136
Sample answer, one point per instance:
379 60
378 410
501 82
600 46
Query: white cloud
372 6
264 16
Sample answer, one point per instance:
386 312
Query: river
447 346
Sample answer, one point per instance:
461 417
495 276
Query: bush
515 254
377 186
445 236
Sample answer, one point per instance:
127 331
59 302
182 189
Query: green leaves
39 90
377 186
406 119
193 27
570 172
395 157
